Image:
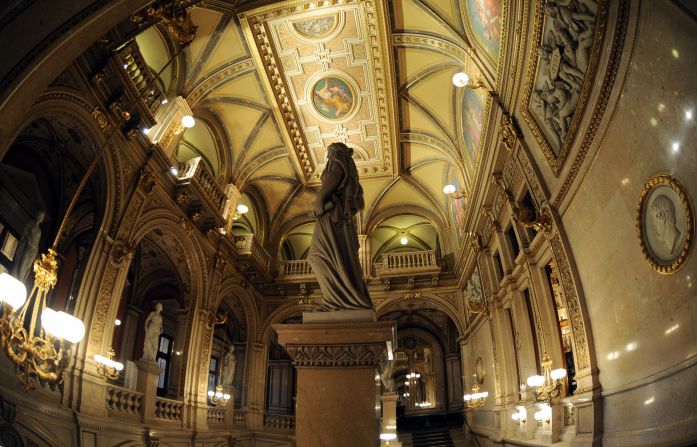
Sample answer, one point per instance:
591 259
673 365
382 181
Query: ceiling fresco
272 86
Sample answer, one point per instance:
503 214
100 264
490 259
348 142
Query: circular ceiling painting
333 97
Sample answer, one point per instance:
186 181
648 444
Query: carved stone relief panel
567 40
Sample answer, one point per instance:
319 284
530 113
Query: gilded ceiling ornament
665 223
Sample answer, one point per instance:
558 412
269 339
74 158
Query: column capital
347 344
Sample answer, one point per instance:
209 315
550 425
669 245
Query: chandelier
547 386
38 351
218 397
476 399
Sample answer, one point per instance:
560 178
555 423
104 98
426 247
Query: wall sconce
454 193
462 79
107 367
476 399
239 211
549 384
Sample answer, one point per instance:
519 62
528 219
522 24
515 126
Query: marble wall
644 323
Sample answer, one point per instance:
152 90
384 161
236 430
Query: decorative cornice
351 355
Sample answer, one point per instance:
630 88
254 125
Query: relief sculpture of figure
333 252
153 329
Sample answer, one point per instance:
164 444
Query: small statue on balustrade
153 329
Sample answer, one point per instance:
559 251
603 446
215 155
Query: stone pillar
389 417
148 372
335 361
130 328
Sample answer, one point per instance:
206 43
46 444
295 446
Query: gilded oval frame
683 250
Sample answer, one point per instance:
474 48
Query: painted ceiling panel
433 175
435 92
403 193
280 167
230 47
206 20
274 194
245 87
411 15
300 208
412 61
238 121
448 10
415 118
417 153
328 70
261 140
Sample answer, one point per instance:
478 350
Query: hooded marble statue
333 252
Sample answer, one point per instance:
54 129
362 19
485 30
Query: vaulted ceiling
272 86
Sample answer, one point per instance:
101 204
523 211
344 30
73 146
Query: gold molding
675 185
372 19
556 161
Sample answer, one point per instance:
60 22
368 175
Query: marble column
336 363
389 418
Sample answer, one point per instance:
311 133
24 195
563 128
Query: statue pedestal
336 388
148 372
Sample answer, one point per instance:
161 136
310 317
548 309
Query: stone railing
216 415
123 401
168 409
138 76
282 421
196 172
299 269
239 417
408 262
249 245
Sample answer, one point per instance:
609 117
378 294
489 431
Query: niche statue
153 329
28 248
229 364
333 252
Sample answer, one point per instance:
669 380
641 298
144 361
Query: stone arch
59 103
162 219
232 284
424 301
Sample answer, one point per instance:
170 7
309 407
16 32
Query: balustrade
168 409
249 245
296 269
410 262
196 172
239 417
139 77
123 401
282 421
216 415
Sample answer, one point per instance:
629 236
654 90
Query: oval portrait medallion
665 223
333 98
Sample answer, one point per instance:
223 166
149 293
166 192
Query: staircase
437 438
